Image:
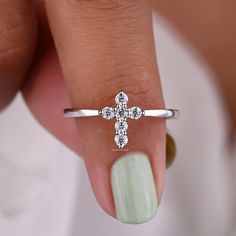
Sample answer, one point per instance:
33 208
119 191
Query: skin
83 48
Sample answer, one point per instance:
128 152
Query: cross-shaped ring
121 112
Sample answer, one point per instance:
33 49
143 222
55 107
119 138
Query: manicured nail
133 188
170 150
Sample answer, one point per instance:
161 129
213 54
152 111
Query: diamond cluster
121 112
121 126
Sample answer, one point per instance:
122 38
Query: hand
103 47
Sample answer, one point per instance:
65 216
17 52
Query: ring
121 112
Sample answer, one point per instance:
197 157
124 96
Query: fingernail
170 150
133 188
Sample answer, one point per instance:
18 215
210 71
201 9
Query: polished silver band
161 113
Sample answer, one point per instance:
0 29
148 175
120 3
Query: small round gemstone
121 140
108 113
135 113
121 132
121 113
121 125
121 98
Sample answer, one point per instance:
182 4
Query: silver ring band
161 113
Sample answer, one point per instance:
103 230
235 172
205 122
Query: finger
105 47
17 43
42 92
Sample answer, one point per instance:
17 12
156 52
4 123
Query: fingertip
99 175
158 163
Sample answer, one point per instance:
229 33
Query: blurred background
45 189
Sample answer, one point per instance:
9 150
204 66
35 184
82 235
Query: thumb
105 47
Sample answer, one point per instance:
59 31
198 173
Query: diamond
135 113
121 98
121 113
121 125
121 140
108 113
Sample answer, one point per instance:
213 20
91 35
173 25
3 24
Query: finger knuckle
138 84
17 39
104 4
107 9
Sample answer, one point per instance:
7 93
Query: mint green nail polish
133 188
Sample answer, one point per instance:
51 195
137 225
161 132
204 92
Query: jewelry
121 112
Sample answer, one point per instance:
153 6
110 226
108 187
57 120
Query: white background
44 189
